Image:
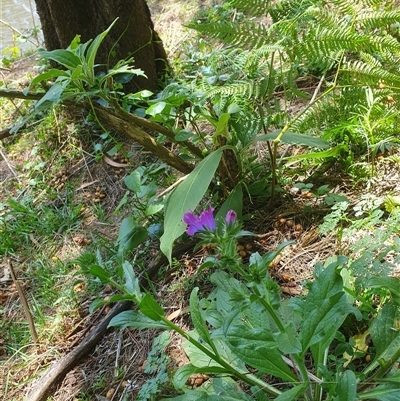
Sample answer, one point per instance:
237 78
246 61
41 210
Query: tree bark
132 35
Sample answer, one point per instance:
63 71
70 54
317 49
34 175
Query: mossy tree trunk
132 35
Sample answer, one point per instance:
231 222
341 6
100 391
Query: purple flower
205 221
231 217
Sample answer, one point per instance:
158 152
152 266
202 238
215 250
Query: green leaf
136 320
96 304
100 273
186 197
130 234
183 373
134 181
324 309
287 341
253 343
64 57
200 359
92 51
295 139
217 389
292 394
50 74
153 208
52 96
197 319
150 308
234 108
183 135
222 126
324 154
391 283
156 108
131 281
233 202
384 392
346 388
385 335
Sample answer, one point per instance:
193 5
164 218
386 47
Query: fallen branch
24 302
50 379
117 119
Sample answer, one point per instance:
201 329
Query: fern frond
288 9
385 43
241 89
377 19
371 74
238 34
253 7
346 7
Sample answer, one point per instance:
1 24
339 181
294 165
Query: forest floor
89 191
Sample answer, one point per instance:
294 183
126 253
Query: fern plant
328 52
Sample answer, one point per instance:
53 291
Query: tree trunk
132 35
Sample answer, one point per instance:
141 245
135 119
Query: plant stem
245 377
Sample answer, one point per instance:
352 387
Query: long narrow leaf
92 51
186 197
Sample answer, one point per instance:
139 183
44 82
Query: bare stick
24 303
8 164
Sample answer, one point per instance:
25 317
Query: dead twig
24 303
56 373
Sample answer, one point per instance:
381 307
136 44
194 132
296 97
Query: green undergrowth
248 122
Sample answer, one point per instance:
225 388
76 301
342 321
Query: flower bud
231 217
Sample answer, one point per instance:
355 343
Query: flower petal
193 223
207 219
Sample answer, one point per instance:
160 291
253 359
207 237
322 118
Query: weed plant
244 331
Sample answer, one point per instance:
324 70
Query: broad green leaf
150 308
192 395
385 335
237 293
254 344
288 342
136 320
131 281
133 181
130 234
52 96
100 273
183 135
153 208
324 309
50 74
200 359
229 389
120 297
391 283
346 388
293 138
64 57
292 394
233 108
222 126
183 373
217 389
96 304
233 202
186 197
384 392
197 319
156 108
